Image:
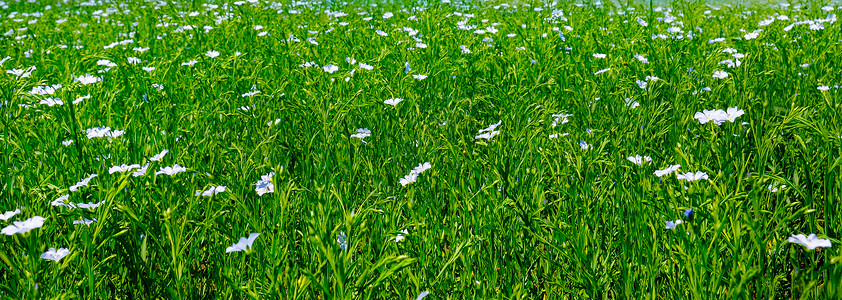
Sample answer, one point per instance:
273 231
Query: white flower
733 113
134 60
672 224
55 255
175 169
720 74
638 160
413 175
62 201
393 101
811 241
419 77
89 205
148 69
24 226
823 88
599 55
381 32
212 54
400 237
717 116
141 171
88 79
243 244
50 101
422 295
103 132
249 94
80 99
9 214
366 66
189 63
362 133
160 156
690 176
602 71
82 183
668 170
213 190
122 168
67 142
489 132
84 222
641 58
330 68
264 185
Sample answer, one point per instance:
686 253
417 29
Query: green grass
520 215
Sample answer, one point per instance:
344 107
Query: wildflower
122 168
690 176
406 68
213 190
641 58
362 133
141 171
400 237
148 69
88 79
668 170
80 99
413 175
249 94
584 145
733 113
602 71
419 77
366 66
50 101
720 74
103 132
160 156
84 222
62 201
642 22
55 255
24 226
342 239
823 88
717 116
175 169
9 214
638 160
189 63
811 241
599 55
393 101
89 205
212 54
330 68
82 183
243 244
422 295
264 185
489 132
67 142
672 224
134 60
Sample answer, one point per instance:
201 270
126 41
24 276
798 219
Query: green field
383 150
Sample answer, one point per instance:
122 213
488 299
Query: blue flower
688 213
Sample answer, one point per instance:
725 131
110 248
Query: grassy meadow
408 150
